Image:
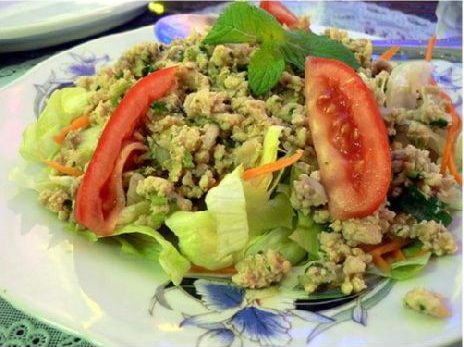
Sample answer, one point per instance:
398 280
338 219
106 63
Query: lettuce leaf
63 106
226 203
405 269
145 241
198 238
266 214
211 238
278 240
306 235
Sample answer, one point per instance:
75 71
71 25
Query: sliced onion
404 83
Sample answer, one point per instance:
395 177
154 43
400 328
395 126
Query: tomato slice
98 200
349 136
280 12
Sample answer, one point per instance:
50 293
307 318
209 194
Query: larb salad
256 151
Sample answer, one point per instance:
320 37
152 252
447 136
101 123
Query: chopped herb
187 161
414 202
415 175
441 123
148 69
159 107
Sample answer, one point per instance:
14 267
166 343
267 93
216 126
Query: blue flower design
219 296
85 64
232 314
267 328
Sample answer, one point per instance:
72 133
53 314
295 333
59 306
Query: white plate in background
27 25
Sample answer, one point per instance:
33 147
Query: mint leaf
414 202
244 23
265 68
300 44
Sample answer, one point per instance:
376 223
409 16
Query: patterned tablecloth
19 329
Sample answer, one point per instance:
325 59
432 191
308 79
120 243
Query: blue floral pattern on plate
85 64
235 316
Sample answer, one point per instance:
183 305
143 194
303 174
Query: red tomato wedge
349 136
98 200
280 12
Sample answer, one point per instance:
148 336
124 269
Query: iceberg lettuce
145 241
278 240
212 238
198 238
63 106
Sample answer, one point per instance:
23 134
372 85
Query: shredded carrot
77 123
387 248
430 46
453 132
271 167
227 270
398 254
71 171
381 263
389 53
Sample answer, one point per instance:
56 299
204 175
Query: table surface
401 19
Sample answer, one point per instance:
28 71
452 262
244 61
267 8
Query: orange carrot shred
70 171
398 254
389 53
430 46
227 270
381 263
453 132
77 123
271 167
386 248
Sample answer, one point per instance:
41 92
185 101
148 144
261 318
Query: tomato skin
91 207
280 12
355 165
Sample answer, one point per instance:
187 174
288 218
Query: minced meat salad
258 150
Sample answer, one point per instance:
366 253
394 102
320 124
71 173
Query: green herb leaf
159 107
265 68
244 23
440 123
414 202
300 44
405 269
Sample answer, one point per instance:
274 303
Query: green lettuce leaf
306 235
89 141
278 240
63 106
198 238
405 269
226 203
211 238
145 241
266 214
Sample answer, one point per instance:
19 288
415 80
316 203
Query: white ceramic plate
27 25
115 300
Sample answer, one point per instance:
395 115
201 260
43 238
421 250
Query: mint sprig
244 23
265 68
